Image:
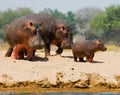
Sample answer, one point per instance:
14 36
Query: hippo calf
23 35
87 49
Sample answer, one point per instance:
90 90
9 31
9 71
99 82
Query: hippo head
65 35
34 30
68 38
99 45
61 31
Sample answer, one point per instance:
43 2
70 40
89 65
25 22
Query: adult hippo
87 49
23 35
55 31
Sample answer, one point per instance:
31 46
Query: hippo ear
40 24
27 24
97 41
60 26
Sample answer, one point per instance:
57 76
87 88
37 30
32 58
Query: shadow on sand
82 61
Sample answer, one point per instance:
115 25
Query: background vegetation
90 22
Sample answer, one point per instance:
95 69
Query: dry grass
3 45
113 48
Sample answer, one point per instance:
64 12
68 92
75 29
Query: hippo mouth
36 41
104 49
66 44
36 45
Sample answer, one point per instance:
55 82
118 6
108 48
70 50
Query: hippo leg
59 50
30 53
81 59
33 54
9 52
16 50
90 58
47 50
21 55
87 58
75 57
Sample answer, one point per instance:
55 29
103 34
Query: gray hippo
81 49
55 31
23 34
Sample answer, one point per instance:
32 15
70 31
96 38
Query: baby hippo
87 49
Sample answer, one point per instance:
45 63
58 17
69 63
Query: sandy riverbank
61 71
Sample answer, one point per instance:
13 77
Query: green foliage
112 47
107 24
7 16
91 22
68 17
83 18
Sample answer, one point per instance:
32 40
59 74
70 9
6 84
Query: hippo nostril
105 48
42 44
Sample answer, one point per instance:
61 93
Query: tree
83 18
55 13
68 17
108 24
7 16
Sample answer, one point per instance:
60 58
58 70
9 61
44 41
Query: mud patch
86 80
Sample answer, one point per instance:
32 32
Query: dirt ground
61 71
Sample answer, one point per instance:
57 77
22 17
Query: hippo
23 35
87 49
55 31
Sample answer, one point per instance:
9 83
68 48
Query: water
60 93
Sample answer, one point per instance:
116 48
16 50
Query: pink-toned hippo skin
23 34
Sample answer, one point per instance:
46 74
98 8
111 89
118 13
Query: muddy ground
60 71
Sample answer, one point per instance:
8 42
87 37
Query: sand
60 71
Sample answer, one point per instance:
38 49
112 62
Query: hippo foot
46 59
14 57
21 55
9 52
75 60
82 59
91 62
30 59
59 51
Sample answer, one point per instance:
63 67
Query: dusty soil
60 71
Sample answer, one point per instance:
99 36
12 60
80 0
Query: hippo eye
63 27
100 45
31 24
